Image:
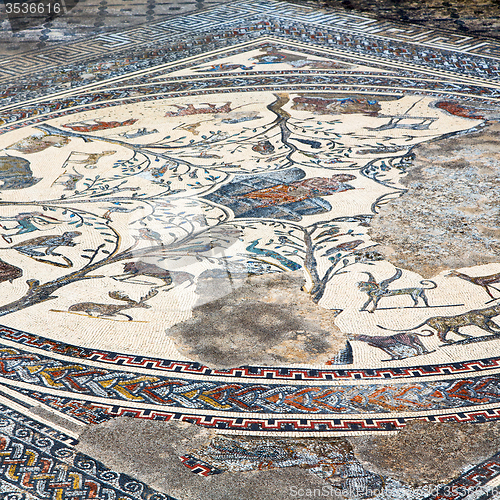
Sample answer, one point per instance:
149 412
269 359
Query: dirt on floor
448 218
268 320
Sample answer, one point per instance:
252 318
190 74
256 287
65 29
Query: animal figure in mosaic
300 190
280 195
191 110
35 144
287 263
8 272
140 133
27 222
15 173
68 179
89 160
102 310
32 248
270 57
140 268
405 122
483 281
225 67
117 209
321 105
398 346
376 291
146 234
97 125
240 119
191 127
309 142
458 110
263 147
446 324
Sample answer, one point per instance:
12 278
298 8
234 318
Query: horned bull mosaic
207 233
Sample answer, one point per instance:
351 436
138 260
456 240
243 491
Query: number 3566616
33 8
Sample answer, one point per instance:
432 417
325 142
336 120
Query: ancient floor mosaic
271 221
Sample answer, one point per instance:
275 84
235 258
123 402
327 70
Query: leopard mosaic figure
477 317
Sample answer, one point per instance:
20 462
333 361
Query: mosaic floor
276 222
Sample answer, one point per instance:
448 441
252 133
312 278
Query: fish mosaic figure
46 245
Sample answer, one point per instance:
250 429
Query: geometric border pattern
163 31
251 372
89 412
472 483
39 461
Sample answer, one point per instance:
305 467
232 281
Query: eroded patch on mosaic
449 207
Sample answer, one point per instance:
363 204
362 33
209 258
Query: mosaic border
251 372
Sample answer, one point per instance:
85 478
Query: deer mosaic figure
102 310
482 281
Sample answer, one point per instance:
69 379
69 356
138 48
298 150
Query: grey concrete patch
267 321
448 218
149 451
427 452
51 416
423 454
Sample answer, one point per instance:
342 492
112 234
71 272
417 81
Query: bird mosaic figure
148 235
